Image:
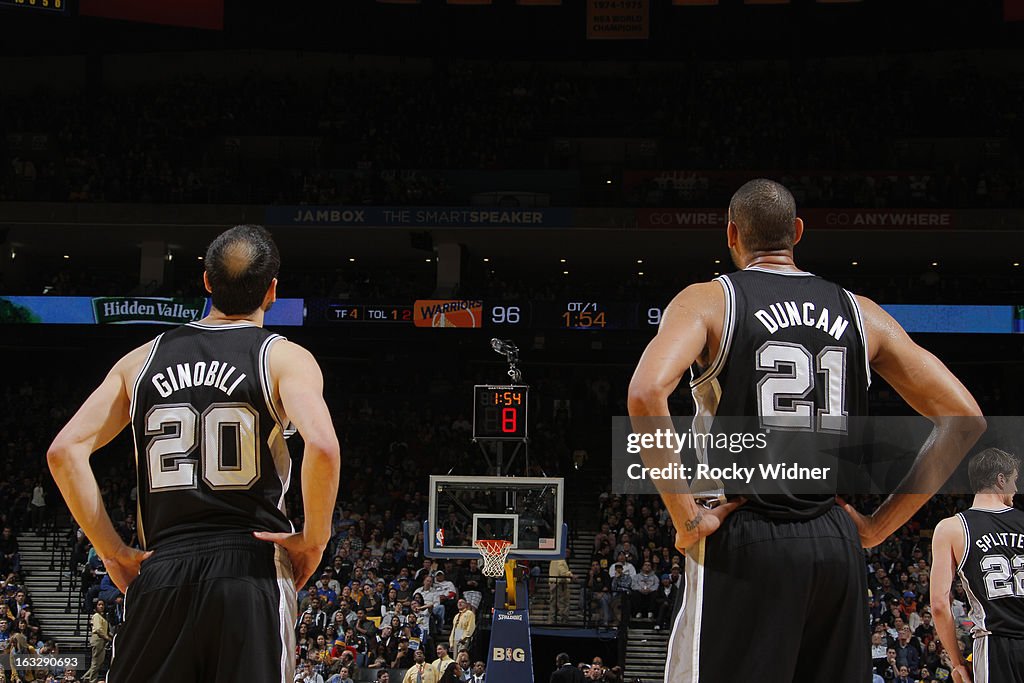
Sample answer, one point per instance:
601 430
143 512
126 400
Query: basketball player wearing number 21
985 546
780 345
208 403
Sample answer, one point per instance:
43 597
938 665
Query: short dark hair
764 211
562 658
985 468
240 264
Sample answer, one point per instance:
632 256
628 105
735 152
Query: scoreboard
50 5
566 314
500 412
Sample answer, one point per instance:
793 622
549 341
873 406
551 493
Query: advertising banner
914 219
419 216
126 310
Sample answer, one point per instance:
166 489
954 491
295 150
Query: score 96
505 315
654 316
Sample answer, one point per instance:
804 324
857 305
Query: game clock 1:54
500 412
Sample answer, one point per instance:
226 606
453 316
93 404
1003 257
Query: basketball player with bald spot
208 403
984 546
789 563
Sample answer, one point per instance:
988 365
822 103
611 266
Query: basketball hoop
494 554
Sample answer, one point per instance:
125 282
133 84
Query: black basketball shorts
998 660
778 601
209 608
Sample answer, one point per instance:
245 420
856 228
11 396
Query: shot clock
500 412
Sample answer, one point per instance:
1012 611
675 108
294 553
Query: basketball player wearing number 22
208 404
984 545
784 571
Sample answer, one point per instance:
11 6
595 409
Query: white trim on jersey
977 613
227 326
790 273
683 664
728 331
282 466
979 661
287 612
264 366
858 322
994 512
705 400
967 542
138 379
135 443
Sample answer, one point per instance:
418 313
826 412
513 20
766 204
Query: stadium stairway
646 654
541 608
581 513
49 588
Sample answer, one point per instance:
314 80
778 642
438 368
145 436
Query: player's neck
217 318
989 501
772 260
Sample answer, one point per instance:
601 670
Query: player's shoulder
285 351
698 294
131 362
949 529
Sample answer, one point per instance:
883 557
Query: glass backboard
527 511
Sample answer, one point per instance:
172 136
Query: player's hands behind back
123 566
304 554
705 524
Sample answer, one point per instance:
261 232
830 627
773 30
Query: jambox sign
508 654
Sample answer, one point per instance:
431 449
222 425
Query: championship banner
618 19
448 313
126 310
422 216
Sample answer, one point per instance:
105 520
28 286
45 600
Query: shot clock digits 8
500 412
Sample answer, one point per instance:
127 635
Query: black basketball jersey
209 444
791 366
992 570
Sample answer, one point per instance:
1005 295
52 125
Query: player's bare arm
103 415
299 388
690 327
927 385
947 550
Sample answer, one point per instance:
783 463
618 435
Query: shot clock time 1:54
500 412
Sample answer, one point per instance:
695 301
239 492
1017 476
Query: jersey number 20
170 468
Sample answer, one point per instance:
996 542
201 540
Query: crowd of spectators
377 602
27 414
635 575
361 137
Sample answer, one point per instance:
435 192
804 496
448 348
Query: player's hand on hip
705 524
304 555
865 524
123 567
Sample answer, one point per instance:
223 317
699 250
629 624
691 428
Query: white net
494 554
